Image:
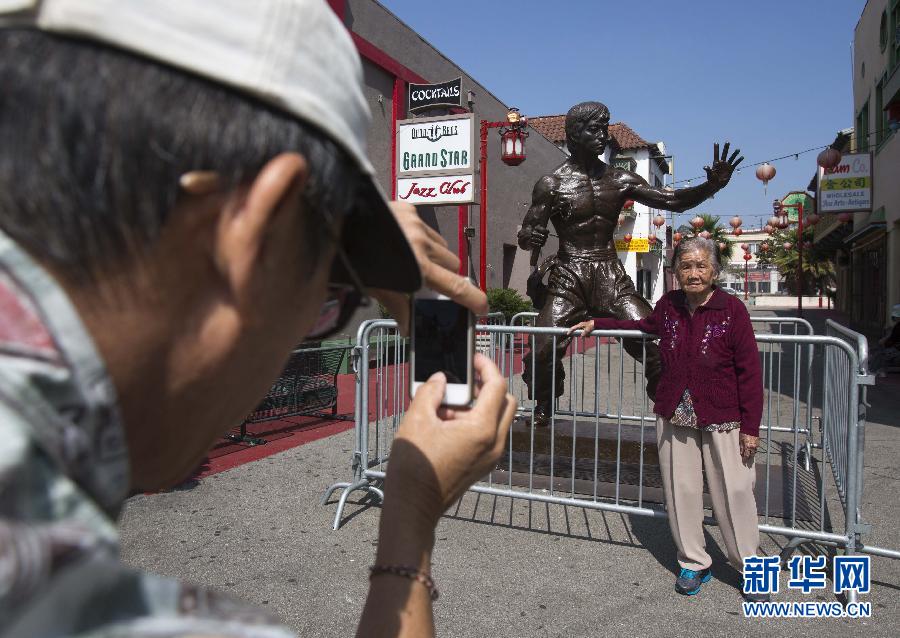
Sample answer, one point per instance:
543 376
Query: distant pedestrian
709 406
887 354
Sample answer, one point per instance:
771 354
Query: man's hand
439 268
749 444
720 173
439 452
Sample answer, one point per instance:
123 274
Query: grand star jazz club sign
436 160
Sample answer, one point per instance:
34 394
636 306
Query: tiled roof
553 127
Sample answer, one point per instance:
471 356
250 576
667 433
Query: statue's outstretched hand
721 170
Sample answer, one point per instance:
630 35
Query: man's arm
534 227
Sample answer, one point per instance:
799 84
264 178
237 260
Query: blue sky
774 78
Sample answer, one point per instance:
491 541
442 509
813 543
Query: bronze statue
583 198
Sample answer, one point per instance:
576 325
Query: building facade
872 249
630 151
394 56
740 274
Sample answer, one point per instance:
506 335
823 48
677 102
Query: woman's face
696 271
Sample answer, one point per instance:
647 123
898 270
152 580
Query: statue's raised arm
718 175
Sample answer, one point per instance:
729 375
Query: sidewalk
503 567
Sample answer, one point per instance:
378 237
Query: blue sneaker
689 581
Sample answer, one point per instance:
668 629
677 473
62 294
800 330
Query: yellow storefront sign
636 245
845 183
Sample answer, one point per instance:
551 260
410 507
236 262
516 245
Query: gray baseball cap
295 55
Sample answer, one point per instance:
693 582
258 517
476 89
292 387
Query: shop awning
876 223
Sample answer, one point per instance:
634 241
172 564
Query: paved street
503 567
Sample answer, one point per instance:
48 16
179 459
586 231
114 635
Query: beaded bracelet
406 572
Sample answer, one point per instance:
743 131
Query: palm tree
818 271
717 232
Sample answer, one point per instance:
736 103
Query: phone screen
440 337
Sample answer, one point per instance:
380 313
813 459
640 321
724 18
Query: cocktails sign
426 96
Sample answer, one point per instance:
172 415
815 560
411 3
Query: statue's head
587 127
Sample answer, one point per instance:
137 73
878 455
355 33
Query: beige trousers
683 454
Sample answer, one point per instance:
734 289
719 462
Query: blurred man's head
190 204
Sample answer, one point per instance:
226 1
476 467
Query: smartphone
443 340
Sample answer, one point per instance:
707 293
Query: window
862 128
894 33
880 115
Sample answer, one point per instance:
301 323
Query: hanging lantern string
769 161
775 159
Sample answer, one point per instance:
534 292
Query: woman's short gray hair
701 244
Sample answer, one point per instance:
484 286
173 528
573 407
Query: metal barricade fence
599 451
489 343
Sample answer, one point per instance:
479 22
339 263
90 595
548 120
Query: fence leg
348 488
789 549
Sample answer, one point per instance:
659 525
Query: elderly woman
708 406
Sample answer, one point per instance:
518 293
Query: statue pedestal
546 454
541 459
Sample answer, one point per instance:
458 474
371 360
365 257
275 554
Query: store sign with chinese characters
636 245
436 160
846 188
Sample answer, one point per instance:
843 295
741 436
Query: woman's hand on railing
586 326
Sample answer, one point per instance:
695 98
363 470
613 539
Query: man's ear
249 216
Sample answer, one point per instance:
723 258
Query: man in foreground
184 197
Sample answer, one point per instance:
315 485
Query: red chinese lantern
773 221
745 247
735 221
627 237
764 247
658 221
787 245
722 245
812 219
629 204
677 237
512 146
769 229
737 232
845 218
706 234
829 158
747 256
765 172
697 222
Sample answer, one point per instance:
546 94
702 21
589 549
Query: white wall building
762 280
